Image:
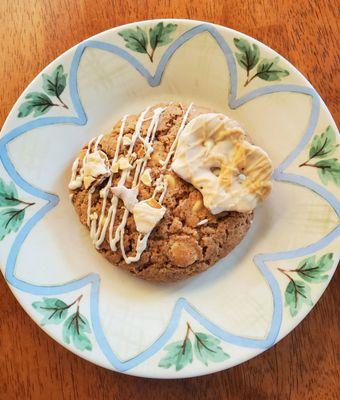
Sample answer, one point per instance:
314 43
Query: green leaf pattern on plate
8 194
10 221
75 328
138 40
55 83
54 311
297 293
322 146
180 353
160 34
39 103
207 348
249 56
269 70
11 217
311 270
329 171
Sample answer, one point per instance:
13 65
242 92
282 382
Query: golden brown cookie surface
188 239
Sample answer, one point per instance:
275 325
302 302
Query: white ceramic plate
249 300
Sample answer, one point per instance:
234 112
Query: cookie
122 185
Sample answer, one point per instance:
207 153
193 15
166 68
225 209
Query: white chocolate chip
94 167
88 180
146 177
128 196
76 179
123 163
147 214
126 141
115 167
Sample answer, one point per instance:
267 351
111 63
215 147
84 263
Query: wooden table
304 365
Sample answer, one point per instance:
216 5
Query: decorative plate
250 299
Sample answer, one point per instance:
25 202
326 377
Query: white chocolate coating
215 157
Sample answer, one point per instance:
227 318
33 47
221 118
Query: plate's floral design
75 327
11 216
139 40
203 346
323 146
311 270
249 57
39 103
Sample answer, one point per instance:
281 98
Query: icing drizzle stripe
100 225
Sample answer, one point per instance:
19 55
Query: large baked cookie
186 237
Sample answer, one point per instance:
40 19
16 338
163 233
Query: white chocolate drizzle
76 180
175 142
103 225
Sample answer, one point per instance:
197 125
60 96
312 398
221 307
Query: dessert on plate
169 191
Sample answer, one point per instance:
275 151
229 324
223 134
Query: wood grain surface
304 365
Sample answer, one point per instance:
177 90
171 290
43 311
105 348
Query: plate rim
98 36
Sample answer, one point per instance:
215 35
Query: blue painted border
181 304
